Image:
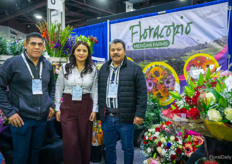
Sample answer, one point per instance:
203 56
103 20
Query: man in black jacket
122 99
31 98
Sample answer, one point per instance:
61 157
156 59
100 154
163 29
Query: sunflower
198 61
157 73
206 65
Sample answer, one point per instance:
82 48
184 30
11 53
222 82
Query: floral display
207 99
90 41
168 143
199 63
3 121
12 47
97 135
55 38
160 80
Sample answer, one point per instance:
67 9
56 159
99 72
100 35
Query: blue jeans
112 128
28 140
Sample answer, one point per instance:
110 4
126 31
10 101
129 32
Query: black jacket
15 74
132 91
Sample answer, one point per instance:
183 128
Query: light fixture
37 16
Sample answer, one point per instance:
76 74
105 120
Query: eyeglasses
33 44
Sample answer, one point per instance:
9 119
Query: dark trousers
76 129
27 141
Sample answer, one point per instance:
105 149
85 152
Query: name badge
37 87
77 93
112 90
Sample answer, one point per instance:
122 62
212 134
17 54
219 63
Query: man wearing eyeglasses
31 98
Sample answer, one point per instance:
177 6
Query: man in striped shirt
122 96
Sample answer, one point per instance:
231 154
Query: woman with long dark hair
78 81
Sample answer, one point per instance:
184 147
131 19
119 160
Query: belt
112 114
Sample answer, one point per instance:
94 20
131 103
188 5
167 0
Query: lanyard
40 71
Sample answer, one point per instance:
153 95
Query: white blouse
88 83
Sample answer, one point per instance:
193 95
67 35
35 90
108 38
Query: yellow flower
157 73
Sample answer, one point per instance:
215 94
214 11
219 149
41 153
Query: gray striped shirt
112 78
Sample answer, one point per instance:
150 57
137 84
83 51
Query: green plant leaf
175 95
223 102
200 80
208 74
218 88
189 92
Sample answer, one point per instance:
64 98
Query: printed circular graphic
199 63
160 79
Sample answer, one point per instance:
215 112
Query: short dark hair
33 35
118 41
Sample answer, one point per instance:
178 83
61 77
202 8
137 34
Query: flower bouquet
215 106
168 143
55 38
185 111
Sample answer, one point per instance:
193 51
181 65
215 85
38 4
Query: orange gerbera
165 91
198 61
148 74
207 63
156 72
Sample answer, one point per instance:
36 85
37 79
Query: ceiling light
37 16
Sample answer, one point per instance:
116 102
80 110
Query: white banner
177 30
56 4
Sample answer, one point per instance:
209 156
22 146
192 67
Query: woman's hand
58 116
92 116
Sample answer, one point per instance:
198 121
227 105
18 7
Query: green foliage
15 47
3 44
152 114
200 80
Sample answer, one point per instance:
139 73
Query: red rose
159 144
154 138
157 129
166 147
173 157
183 110
176 139
149 138
193 113
144 141
168 123
178 151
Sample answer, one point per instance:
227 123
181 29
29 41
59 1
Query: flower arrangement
97 135
160 80
167 143
199 63
3 121
55 38
12 47
90 41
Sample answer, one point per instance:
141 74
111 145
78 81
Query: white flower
214 115
228 113
159 149
210 99
163 152
172 138
162 139
145 162
148 150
